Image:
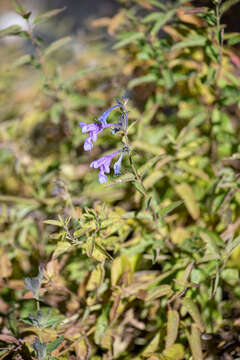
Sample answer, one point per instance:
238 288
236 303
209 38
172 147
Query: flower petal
104 116
102 177
88 144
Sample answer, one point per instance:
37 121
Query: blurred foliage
126 271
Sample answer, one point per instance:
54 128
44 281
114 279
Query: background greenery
142 268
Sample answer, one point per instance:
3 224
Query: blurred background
77 12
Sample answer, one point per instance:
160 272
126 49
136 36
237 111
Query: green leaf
23 60
54 344
194 312
11 30
159 291
47 15
231 276
195 343
192 41
148 165
102 324
95 278
158 4
152 346
152 17
142 80
53 222
18 7
163 19
79 74
138 187
169 208
132 37
56 45
232 245
186 193
172 327
227 5
175 352
120 266
234 39
62 247
212 240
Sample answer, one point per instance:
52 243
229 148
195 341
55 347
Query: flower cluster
94 129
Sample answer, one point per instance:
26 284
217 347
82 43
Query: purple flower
104 116
93 130
104 166
118 164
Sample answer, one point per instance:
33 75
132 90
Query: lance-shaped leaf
11 30
172 328
169 208
54 344
186 193
47 15
56 45
175 352
195 343
194 312
227 5
131 37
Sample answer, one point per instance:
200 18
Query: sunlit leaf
186 193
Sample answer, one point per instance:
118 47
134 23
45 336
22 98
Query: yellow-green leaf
195 343
152 346
194 312
62 247
56 45
175 352
186 193
172 328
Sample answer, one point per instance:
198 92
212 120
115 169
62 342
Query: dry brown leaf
5 266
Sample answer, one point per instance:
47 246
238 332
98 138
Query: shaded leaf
169 208
152 346
54 344
227 5
23 60
56 45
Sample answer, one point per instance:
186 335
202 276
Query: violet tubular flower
118 164
103 118
104 166
93 130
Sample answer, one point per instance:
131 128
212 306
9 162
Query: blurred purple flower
104 166
93 130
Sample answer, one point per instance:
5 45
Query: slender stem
220 34
36 47
139 179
